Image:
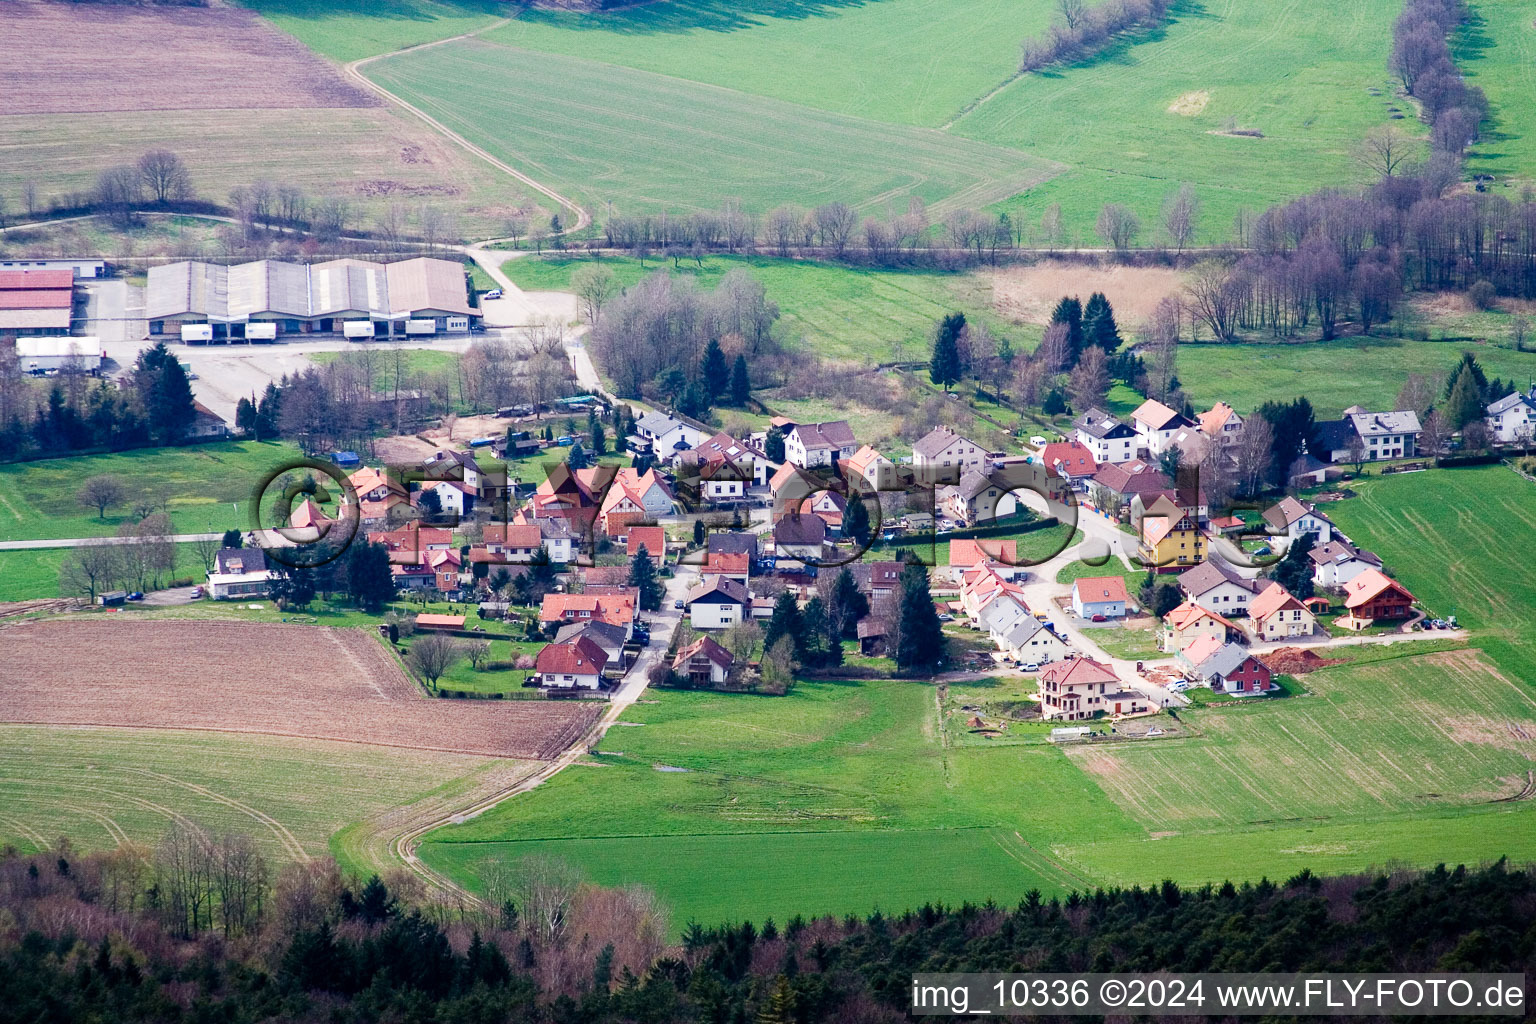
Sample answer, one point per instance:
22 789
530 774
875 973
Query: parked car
1098 618
678 604
1178 686
137 595
197 592
494 293
477 328
1030 666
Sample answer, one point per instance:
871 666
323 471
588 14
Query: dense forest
198 930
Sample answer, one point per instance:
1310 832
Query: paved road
92 542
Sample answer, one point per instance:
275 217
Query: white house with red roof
1100 595
575 665
1071 460
1277 614
1156 425
875 471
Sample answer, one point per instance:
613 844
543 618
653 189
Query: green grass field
102 786
702 145
1461 541
350 29
1302 75
209 485
1335 374
797 796
1496 51
838 312
34 572
902 61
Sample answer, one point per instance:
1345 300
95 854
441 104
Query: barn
36 302
268 299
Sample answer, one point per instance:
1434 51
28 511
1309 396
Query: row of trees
1078 29
90 942
1421 60
83 412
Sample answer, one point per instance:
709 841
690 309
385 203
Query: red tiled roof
1101 588
727 562
966 553
652 538
579 657
1368 586
37 289
1077 670
1272 599
1071 457
440 621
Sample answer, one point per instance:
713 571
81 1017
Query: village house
454 497
1080 688
238 573
616 609
1291 519
800 537
633 498
1215 585
1070 460
791 485
828 506
1373 436
652 538
609 638
1373 596
1512 419
734 542
1225 668
1276 614
1186 500
703 663
575 665
1156 425
1105 437
977 499
1337 562
877 579
1029 642
1222 425
731 565
1170 540
447 464
1094 596
722 469
819 444
969 553
1121 482
718 603
509 542
663 437
943 449
874 471
1190 622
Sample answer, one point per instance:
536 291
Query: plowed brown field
74 58
309 681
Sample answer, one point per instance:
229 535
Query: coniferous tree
715 371
922 642
944 366
785 621
822 643
856 525
773 446
1468 366
848 604
1069 311
700 531
368 577
1463 404
642 575
1294 571
576 458
165 393
741 382
1099 327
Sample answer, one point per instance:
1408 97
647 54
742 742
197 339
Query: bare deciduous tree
431 655
545 888
1255 453
1214 300
89 570
102 492
594 285
1089 383
1181 210
1118 225
165 176
1385 148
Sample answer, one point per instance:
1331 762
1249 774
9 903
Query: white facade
1512 419
714 613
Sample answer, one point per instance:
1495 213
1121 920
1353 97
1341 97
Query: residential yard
1133 640
463 676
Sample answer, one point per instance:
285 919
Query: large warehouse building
36 302
265 300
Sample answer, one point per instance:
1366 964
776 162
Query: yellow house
1170 539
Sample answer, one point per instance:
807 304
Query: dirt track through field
307 681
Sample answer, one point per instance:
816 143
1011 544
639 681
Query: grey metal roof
1510 401
1371 424
1224 661
304 290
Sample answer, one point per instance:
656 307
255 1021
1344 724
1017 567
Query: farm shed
36 302
80 268
267 299
56 352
